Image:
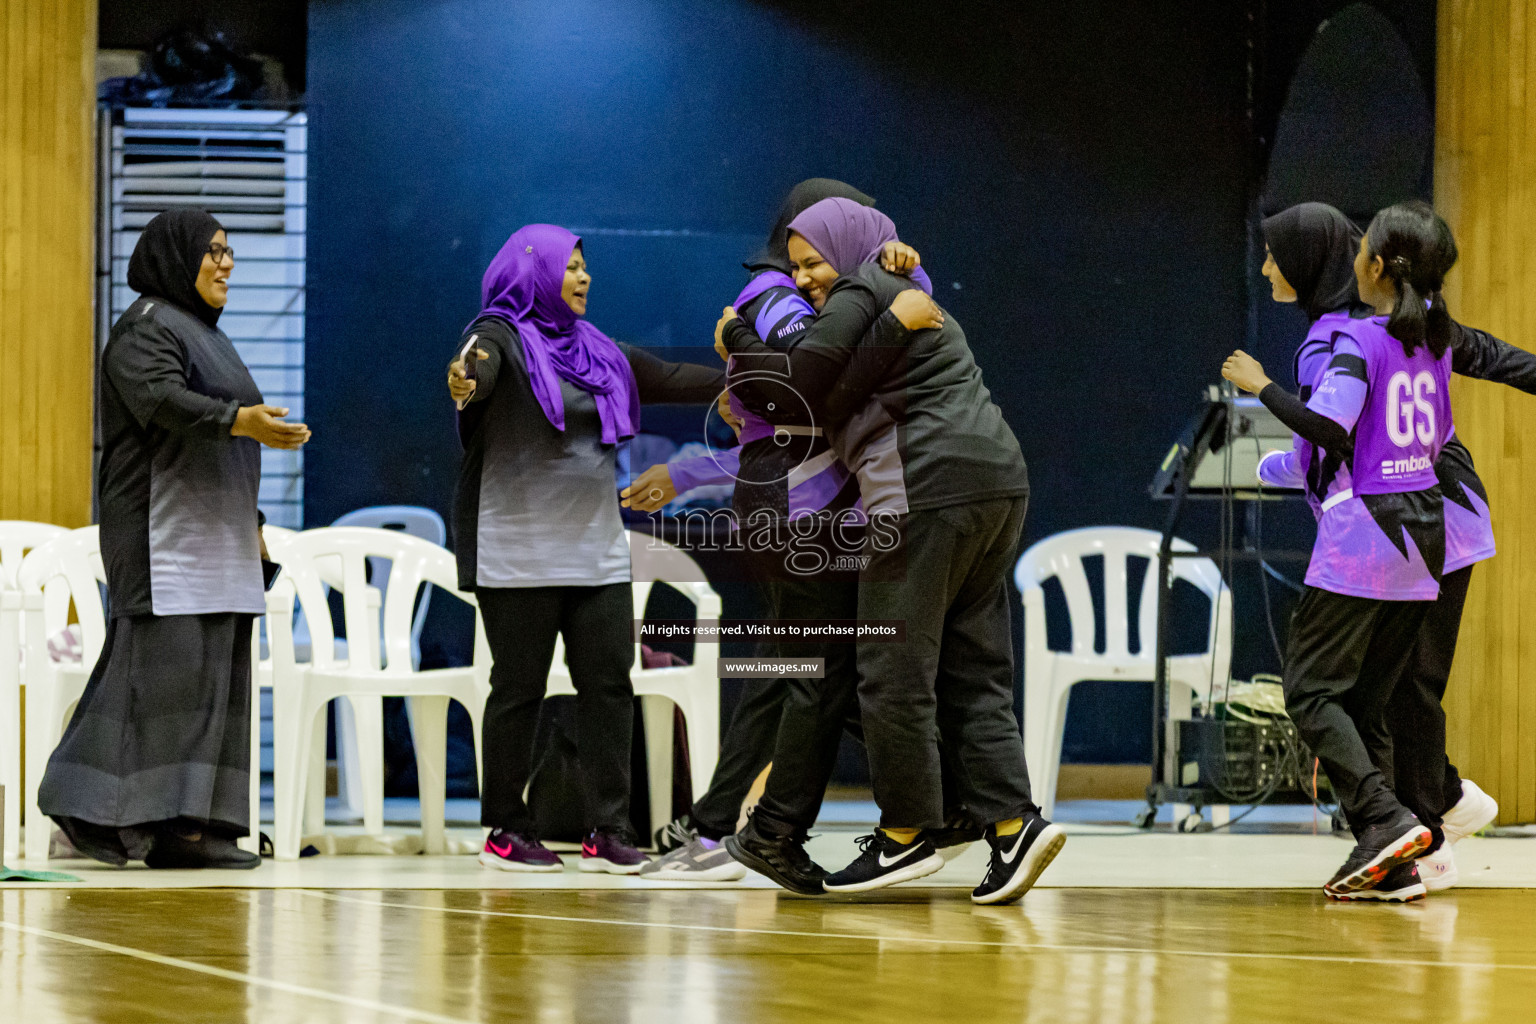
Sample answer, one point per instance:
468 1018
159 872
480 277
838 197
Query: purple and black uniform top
785 466
1370 430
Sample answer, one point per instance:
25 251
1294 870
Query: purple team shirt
813 485
1398 411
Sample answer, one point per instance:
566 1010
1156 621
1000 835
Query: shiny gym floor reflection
1063 955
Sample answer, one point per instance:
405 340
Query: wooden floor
1063 955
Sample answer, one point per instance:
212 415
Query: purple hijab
522 286
848 234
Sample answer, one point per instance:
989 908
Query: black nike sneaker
1401 885
781 859
1379 849
883 861
957 833
1018 860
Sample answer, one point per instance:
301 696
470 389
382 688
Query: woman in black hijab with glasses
155 762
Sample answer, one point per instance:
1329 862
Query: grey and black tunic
536 505
163 731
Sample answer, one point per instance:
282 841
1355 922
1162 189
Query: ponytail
1437 324
1417 250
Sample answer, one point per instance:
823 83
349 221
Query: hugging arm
813 361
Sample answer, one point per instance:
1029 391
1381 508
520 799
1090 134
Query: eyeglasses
218 252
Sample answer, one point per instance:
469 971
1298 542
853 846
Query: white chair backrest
414 520
1061 556
345 552
17 537
66 568
653 560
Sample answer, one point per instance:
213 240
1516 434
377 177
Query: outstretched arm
1327 419
661 382
1478 354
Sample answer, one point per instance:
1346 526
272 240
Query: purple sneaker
605 851
508 851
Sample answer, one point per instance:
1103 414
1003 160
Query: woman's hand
460 384
900 258
725 318
916 310
723 406
264 423
1244 371
650 490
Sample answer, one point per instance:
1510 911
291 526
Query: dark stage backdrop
1078 178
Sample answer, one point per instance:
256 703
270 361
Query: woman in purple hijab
944 486
545 399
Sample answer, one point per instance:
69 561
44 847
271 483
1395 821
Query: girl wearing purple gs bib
1380 409
1311 249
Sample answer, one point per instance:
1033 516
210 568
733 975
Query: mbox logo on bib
1393 467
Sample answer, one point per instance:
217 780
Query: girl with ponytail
1400 269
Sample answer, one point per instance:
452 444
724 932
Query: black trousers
815 711
1344 659
745 750
521 624
1424 779
946 578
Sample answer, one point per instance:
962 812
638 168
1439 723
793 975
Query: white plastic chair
360 720
10 721
383 667
693 688
1050 675
17 537
65 570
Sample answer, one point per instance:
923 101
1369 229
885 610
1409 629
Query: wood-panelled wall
47 215
1485 187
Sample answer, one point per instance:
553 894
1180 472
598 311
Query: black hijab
1314 246
167 259
774 254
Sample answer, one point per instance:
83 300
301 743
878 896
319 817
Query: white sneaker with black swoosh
1018 860
883 861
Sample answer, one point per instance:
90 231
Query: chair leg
10 773
360 759
252 842
1045 716
43 731
294 727
429 734
312 796
702 716
657 714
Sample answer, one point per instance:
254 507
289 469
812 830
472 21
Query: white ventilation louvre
247 168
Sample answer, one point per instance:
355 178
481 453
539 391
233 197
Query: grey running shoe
695 862
675 834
